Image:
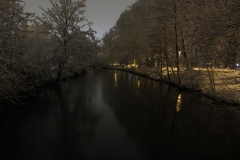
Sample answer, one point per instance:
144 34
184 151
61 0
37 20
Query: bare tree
65 22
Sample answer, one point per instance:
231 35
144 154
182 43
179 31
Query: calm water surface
117 115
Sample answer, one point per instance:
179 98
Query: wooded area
205 30
181 38
36 50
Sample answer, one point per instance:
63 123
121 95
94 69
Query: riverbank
226 82
30 86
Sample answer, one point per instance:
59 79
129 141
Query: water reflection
91 118
150 120
179 103
115 79
130 76
59 124
138 83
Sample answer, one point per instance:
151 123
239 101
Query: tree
65 21
13 46
216 33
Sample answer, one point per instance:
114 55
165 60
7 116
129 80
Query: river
107 114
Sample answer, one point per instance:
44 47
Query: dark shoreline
215 99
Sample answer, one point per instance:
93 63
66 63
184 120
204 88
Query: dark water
116 115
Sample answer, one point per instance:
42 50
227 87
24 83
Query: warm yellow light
179 103
138 83
115 79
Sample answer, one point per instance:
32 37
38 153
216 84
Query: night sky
103 13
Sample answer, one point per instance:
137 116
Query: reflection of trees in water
62 120
79 112
153 119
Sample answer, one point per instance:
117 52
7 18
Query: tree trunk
184 54
60 71
176 44
231 60
161 65
62 64
167 63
